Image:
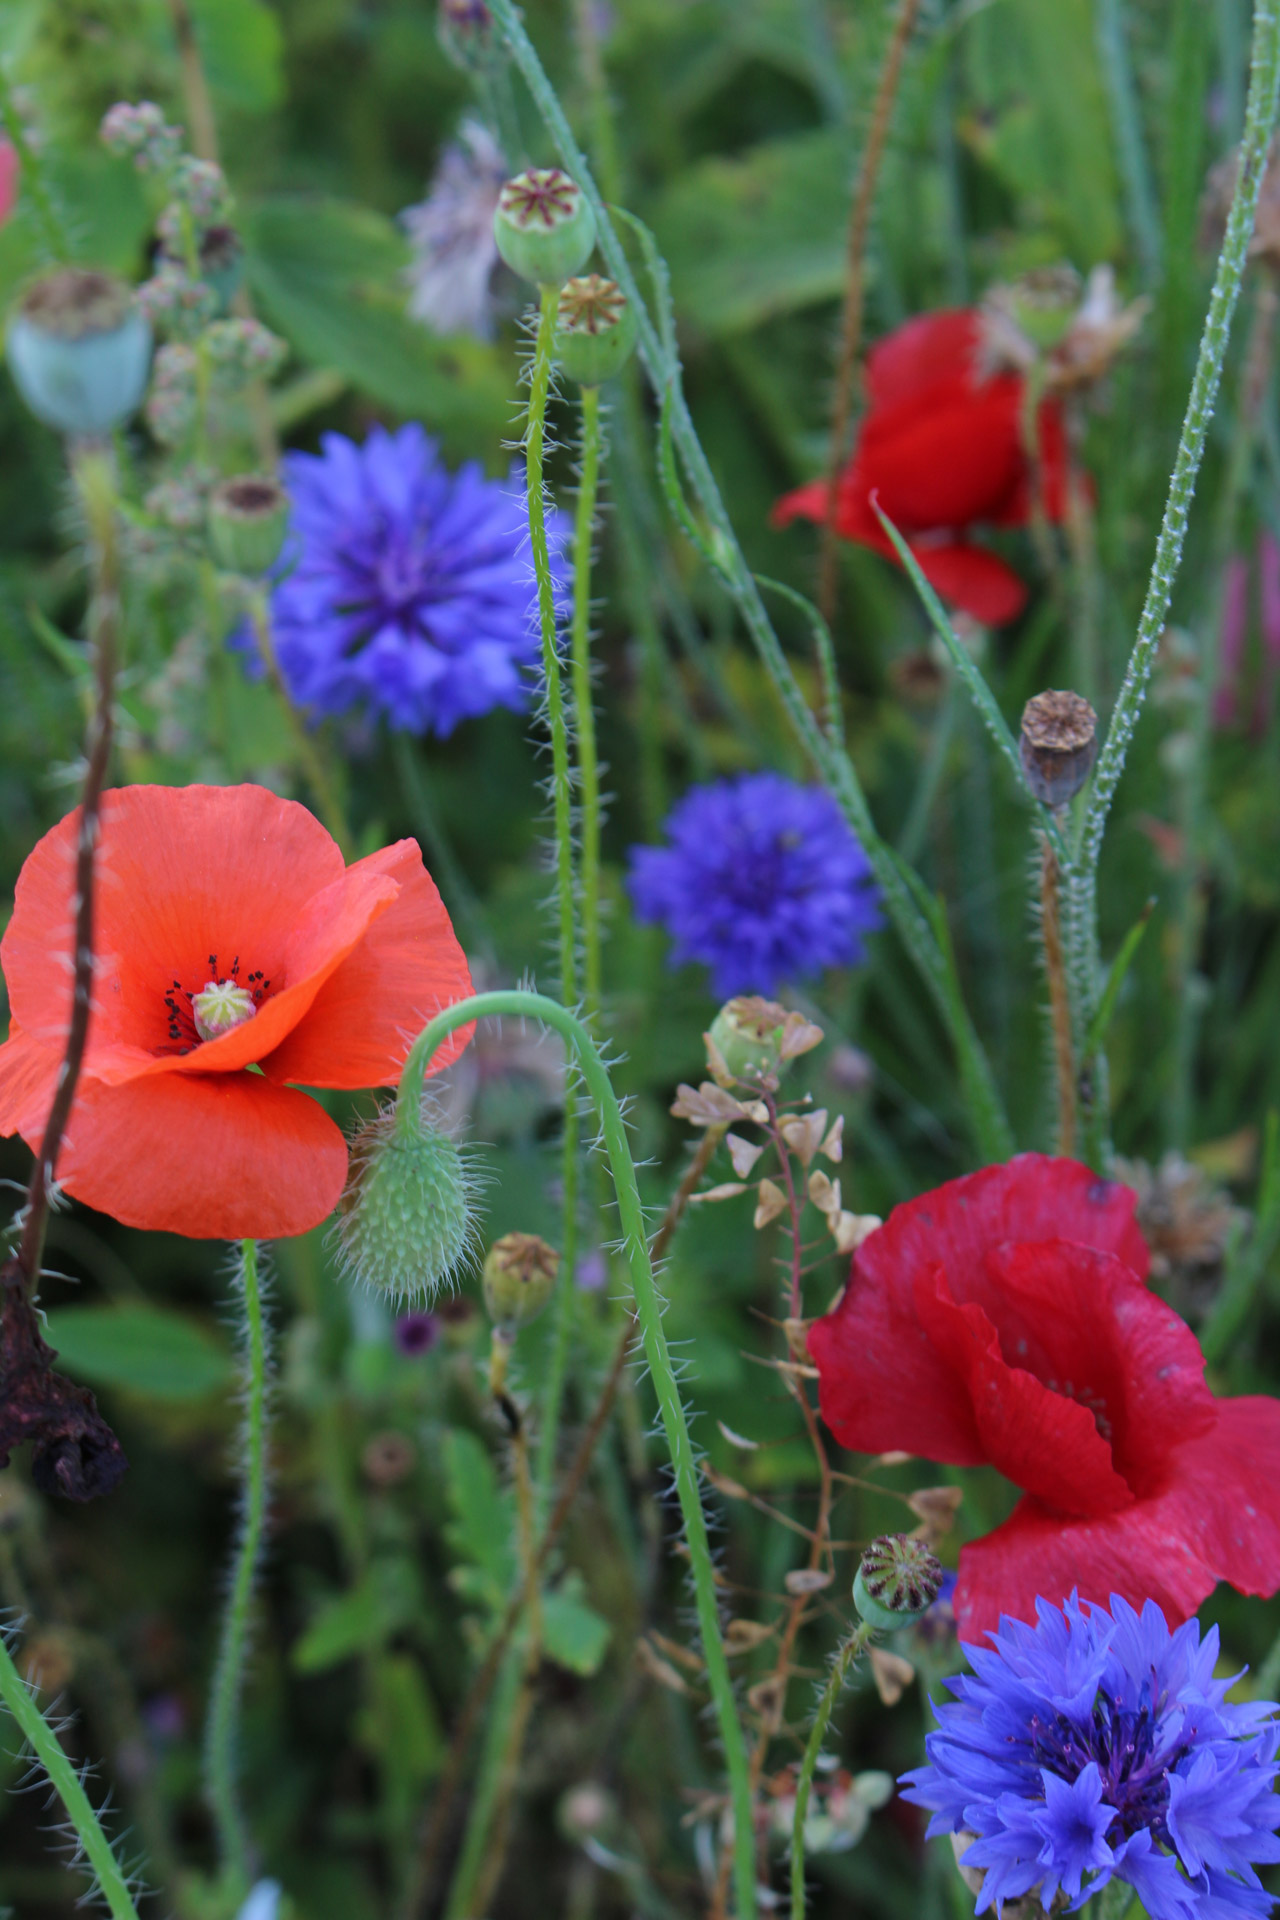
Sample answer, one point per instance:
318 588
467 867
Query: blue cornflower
1098 1746
761 880
407 590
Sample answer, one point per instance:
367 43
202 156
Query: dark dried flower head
1059 744
73 1451
1186 1221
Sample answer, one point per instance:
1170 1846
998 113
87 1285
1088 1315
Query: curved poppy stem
562 801
221 1735
684 1467
67 1783
840 1666
584 719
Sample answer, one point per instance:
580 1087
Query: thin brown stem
446 1788
97 491
855 291
202 125
1059 1001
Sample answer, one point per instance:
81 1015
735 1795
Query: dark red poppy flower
943 447
1004 1319
236 953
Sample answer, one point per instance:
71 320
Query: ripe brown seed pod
1058 745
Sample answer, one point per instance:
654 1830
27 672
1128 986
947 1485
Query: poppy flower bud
467 34
248 519
544 225
898 1579
519 1275
1059 745
404 1222
595 330
79 350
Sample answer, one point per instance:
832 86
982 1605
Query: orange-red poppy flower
223 912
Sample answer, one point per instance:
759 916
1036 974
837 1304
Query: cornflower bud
898 1579
1058 746
79 350
519 1275
404 1223
595 330
248 519
544 225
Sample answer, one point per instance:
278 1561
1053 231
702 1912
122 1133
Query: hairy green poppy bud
1058 745
595 330
248 518
404 1223
79 350
519 1275
544 225
898 1579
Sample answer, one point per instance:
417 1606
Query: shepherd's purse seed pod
898 1579
404 1224
79 351
544 226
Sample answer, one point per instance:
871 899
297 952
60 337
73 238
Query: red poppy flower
1005 1320
944 448
229 912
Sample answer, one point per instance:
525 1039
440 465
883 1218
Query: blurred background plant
308 214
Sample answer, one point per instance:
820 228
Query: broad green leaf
148 1349
400 1718
574 1635
328 275
483 1521
759 234
242 47
364 1616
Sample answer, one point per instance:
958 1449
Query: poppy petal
1042 1439
914 357
368 1013
803 503
947 463
186 875
1227 1493
28 1075
211 1156
974 581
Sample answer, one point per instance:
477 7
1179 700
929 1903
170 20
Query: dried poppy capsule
544 226
79 349
1059 745
898 1579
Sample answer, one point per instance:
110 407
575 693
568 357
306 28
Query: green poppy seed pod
404 1223
595 330
544 226
519 1275
898 1579
747 1034
79 351
1058 745
248 519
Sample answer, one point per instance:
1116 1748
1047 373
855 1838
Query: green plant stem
584 719
66 1783
840 1666
1126 127
220 1757
987 1117
1264 86
308 755
684 1466
460 896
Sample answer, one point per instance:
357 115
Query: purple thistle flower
761 880
1098 1746
416 1333
451 235
408 590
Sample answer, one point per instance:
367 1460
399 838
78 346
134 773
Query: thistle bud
79 350
1059 745
544 225
519 1275
595 330
898 1579
248 519
404 1222
467 33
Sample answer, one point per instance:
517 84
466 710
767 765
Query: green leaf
328 276
574 1635
362 1618
242 47
481 1527
400 1718
152 1350
759 234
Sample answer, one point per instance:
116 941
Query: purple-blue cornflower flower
407 590
1098 1746
761 880
416 1333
